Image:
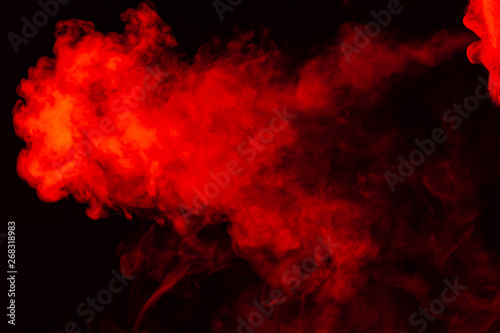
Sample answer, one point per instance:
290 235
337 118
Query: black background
63 256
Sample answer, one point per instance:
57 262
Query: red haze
124 122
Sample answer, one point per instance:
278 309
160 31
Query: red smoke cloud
288 159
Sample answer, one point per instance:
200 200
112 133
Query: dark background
63 256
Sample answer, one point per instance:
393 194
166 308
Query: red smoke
288 159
